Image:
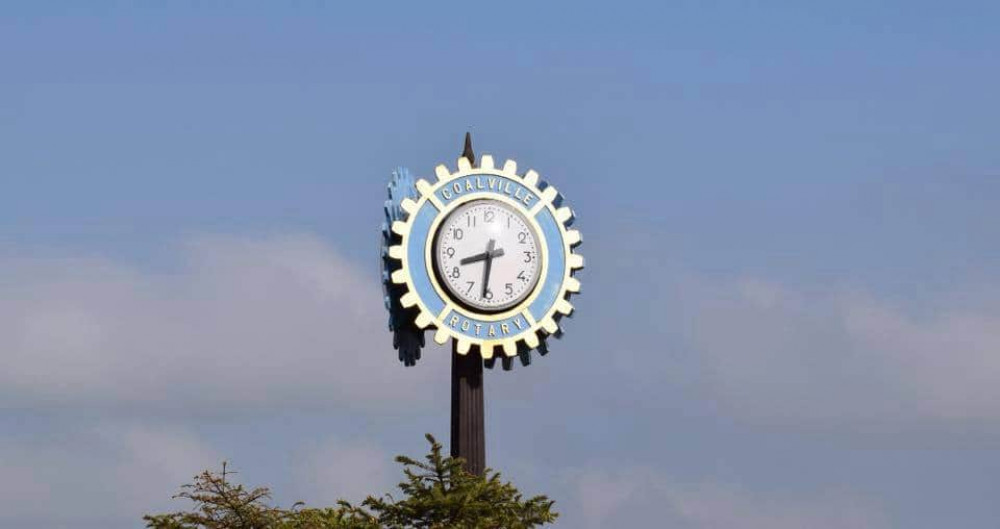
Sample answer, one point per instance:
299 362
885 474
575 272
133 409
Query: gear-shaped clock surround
527 323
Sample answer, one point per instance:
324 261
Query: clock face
487 255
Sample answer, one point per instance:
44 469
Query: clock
487 256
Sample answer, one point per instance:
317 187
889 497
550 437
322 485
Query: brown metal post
468 432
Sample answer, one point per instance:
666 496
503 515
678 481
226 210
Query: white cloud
244 322
333 469
108 475
718 506
635 497
776 354
600 495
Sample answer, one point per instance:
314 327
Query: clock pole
414 299
468 432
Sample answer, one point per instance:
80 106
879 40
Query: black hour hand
482 256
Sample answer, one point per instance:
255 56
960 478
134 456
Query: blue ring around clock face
460 319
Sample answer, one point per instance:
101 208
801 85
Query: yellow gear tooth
510 167
441 172
486 350
510 347
424 186
563 214
531 177
441 336
486 162
400 228
572 284
423 320
549 194
399 277
408 205
531 340
408 300
564 307
573 237
463 347
464 165
550 326
396 252
575 261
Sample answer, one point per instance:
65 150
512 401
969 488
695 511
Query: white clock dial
487 255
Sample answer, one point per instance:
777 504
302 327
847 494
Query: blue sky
789 317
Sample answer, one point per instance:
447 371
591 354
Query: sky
790 315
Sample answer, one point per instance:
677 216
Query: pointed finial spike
467 152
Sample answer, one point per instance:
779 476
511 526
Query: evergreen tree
437 494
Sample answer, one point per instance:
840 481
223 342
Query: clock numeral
489 216
456 273
450 251
528 256
457 233
471 284
489 294
522 237
508 220
508 288
470 221
520 275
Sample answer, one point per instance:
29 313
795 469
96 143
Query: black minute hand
489 265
